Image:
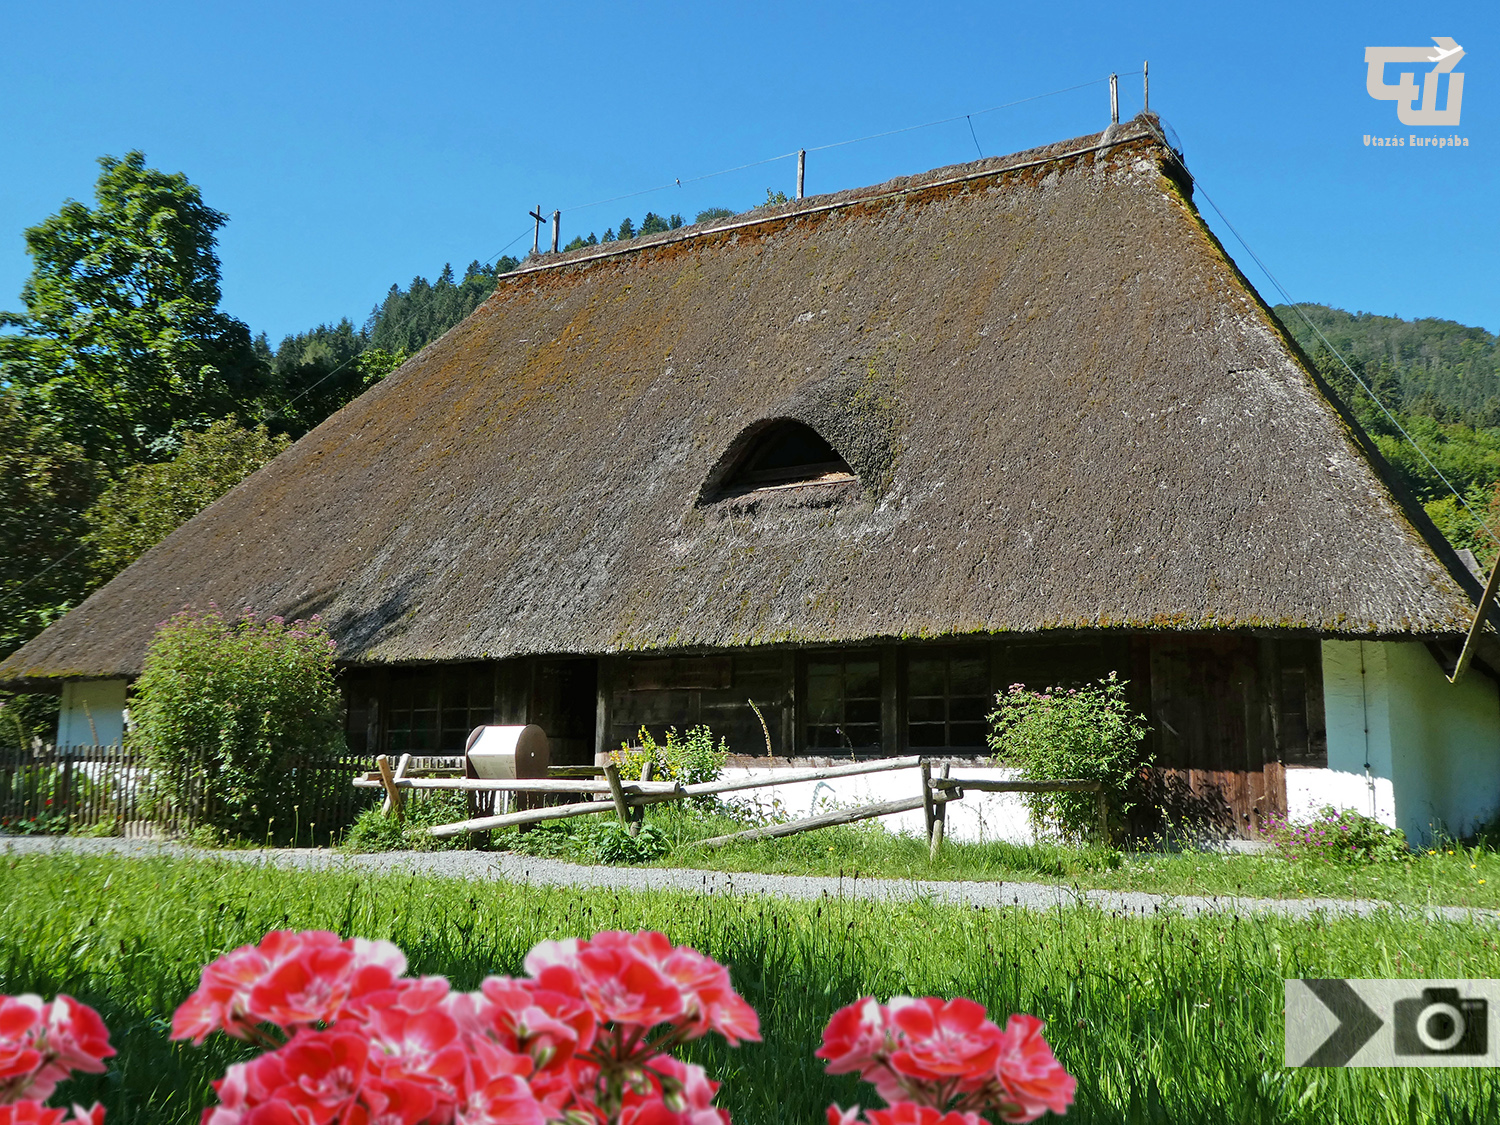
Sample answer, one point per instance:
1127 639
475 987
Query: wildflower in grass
938 1062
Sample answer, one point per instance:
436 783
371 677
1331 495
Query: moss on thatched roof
1065 408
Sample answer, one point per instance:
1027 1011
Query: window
843 703
433 712
947 699
786 453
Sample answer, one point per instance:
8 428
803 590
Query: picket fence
47 789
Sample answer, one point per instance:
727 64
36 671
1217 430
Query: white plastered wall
979 817
92 713
1404 745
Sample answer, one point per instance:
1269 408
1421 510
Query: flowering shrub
585 1038
692 759
41 1044
939 1062
224 709
1088 733
1338 836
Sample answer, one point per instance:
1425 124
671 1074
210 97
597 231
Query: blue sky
356 145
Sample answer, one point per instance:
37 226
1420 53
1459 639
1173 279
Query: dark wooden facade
1229 712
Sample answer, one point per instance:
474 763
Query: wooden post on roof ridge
1114 99
801 170
556 230
1146 85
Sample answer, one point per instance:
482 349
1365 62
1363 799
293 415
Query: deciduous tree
149 501
121 346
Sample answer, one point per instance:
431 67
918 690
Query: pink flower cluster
938 1062
41 1043
352 1040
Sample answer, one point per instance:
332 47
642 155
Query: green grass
1163 1019
1453 875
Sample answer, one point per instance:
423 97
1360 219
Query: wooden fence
628 798
48 790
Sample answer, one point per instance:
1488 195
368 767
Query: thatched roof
1065 407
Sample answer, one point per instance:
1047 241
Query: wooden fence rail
627 798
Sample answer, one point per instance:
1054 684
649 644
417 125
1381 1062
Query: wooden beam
537 816
519 785
788 777
984 785
928 808
603 702
617 792
940 818
825 820
395 802
1486 600
890 704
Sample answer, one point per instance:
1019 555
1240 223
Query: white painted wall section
979 817
1395 721
92 713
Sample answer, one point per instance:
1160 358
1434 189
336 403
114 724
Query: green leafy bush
373 831
591 840
1087 733
692 759
1338 836
226 711
607 841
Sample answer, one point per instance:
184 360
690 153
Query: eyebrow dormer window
786 453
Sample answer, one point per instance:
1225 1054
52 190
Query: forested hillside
1447 371
1441 381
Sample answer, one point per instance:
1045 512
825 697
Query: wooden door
1217 763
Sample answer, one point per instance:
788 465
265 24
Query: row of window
947 699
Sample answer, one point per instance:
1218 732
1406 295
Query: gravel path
512 868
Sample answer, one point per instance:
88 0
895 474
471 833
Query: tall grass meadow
1162 1018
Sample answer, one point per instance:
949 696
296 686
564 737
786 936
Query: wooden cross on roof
536 240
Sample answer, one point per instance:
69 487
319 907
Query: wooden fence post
617 792
394 801
1101 799
939 820
929 814
638 812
